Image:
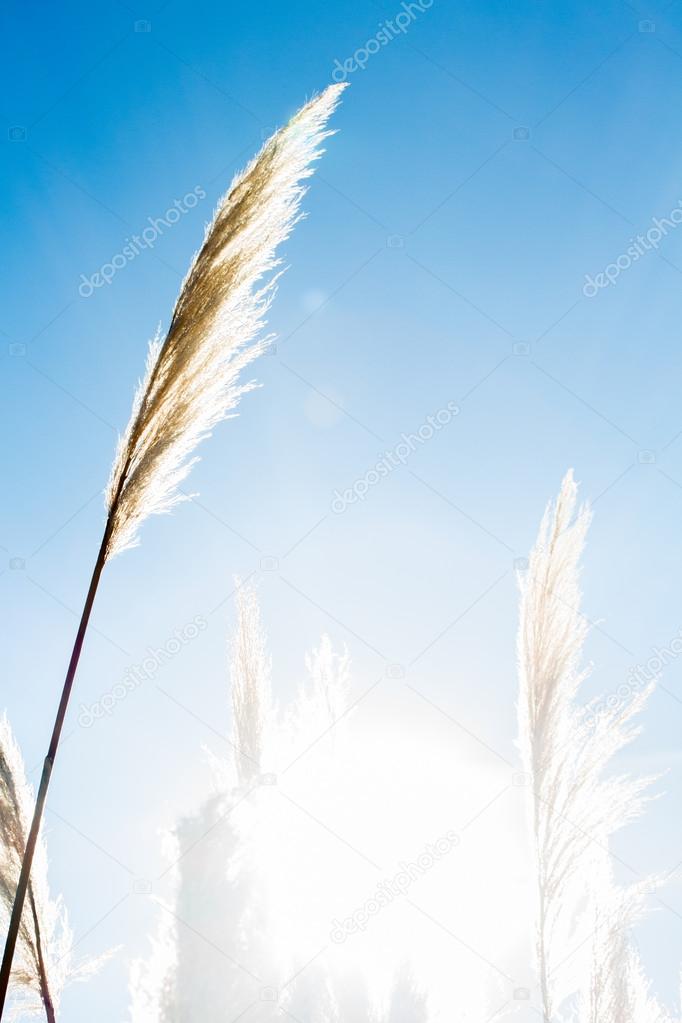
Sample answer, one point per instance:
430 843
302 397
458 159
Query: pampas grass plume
192 380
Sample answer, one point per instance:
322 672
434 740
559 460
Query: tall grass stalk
575 810
192 380
250 669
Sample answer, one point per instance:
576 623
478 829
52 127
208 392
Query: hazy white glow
358 864
382 847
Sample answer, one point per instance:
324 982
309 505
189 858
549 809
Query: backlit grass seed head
193 377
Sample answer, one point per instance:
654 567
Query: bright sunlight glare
382 851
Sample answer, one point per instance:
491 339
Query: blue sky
488 158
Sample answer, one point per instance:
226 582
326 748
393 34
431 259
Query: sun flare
378 850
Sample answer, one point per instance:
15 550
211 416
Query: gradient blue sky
487 160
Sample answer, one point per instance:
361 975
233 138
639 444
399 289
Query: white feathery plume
192 378
329 674
250 677
323 701
618 990
319 713
153 982
213 908
574 809
219 898
43 963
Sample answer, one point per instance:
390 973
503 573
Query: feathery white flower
250 678
575 810
618 989
324 701
192 380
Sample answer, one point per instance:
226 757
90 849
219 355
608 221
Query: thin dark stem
20 896
49 1010
44 983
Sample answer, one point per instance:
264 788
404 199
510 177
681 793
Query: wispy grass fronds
43 963
193 380
153 982
575 809
618 989
179 982
318 716
193 377
326 696
250 667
